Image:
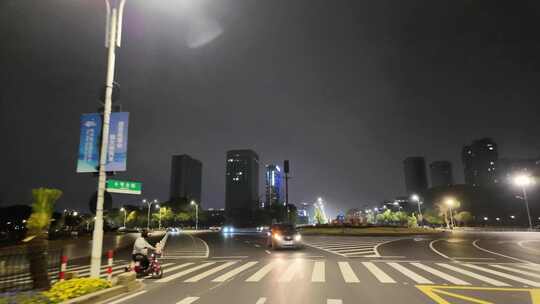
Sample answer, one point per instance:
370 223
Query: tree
464 217
412 222
319 218
37 225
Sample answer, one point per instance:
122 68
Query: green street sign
126 187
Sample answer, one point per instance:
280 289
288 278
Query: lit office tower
186 179
441 173
415 175
479 162
241 186
273 185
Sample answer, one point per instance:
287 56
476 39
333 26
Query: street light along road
524 181
193 203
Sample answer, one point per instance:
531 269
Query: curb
126 285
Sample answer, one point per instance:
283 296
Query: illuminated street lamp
159 209
416 198
149 204
193 203
125 215
451 203
524 181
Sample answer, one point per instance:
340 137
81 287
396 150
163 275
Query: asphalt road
203 268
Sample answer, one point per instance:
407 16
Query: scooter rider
141 247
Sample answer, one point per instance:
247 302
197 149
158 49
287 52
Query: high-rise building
241 186
479 162
273 185
186 178
441 173
415 175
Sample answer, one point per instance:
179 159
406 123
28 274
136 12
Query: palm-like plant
37 225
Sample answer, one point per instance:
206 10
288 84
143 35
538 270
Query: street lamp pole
524 190
196 214
451 217
524 181
125 215
149 205
416 198
159 208
115 10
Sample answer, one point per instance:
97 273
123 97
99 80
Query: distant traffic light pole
115 10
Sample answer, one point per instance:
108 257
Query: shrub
62 291
31 297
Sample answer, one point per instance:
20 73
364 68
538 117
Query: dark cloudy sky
344 89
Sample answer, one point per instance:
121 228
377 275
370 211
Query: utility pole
115 9
286 169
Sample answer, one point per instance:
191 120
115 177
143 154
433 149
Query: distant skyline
344 89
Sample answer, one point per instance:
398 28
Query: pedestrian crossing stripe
458 274
434 292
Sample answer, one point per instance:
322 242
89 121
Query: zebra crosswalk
352 272
349 247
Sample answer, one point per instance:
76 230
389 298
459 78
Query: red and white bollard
63 268
110 264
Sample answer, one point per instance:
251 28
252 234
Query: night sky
344 89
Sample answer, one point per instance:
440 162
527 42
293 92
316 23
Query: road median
368 231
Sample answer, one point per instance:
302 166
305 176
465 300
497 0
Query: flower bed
60 292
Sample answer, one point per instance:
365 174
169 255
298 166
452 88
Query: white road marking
183 273
318 272
531 274
474 275
412 275
475 244
206 246
234 272
378 273
268 251
177 267
504 275
257 245
529 266
188 300
334 301
376 249
432 247
441 274
291 271
521 244
256 277
261 301
131 296
209 272
348 274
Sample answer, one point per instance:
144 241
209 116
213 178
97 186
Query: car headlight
298 237
278 237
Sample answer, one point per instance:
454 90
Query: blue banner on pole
88 159
90 142
118 138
